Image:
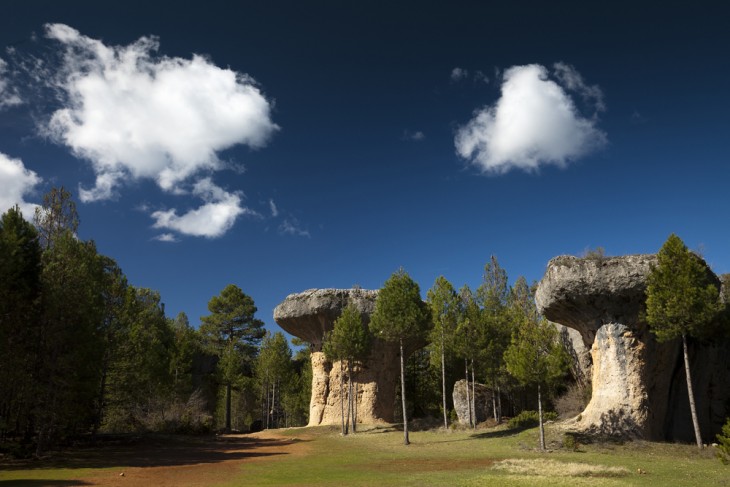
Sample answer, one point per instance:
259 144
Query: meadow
374 456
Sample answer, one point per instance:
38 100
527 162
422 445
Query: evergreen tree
400 315
56 216
298 396
138 379
186 346
468 333
493 295
535 356
681 302
275 369
443 301
350 342
70 342
233 333
20 271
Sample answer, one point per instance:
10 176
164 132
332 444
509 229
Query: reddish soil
174 461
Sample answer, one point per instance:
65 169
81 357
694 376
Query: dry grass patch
553 468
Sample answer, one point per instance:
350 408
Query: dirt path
195 462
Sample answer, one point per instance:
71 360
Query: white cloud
8 95
458 74
572 80
133 113
416 136
166 237
212 219
15 182
291 226
479 76
535 122
273 208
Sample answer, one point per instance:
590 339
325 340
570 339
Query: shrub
528 419
723 443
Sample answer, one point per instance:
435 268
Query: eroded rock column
311 314
637 383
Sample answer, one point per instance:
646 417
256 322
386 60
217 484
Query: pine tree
681 302
233 332
493 296
274 366
443 302
20 271
400 315
348 342
535 356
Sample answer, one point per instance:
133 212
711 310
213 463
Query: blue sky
298 145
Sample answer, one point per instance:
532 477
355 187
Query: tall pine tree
400 315
233 333
681 302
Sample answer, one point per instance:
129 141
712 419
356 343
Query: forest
85 353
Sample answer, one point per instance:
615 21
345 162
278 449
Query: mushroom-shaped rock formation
309 315
638 384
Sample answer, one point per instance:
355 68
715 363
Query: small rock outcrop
638 386
482 404
309 315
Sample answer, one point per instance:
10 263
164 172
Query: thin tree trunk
262 403
342 399
268 406
228 407
473 394
273 404
499 404
354 409
403 394
100 405
690 393
494 399
351 399
468 399
542 426
443 381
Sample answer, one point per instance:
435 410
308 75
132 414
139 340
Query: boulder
309 315
638 384
483 403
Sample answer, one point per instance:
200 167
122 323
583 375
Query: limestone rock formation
638 386
309 315
482 404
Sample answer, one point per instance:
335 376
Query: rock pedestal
637 383
309 315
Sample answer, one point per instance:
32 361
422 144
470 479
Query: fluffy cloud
15 182
8 95
535 122
214 218
132 113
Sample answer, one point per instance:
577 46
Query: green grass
488 457
465 458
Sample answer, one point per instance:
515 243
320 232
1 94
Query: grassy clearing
321 457
482 458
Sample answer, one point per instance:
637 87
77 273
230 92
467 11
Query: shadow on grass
156 451
502 433
42 483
